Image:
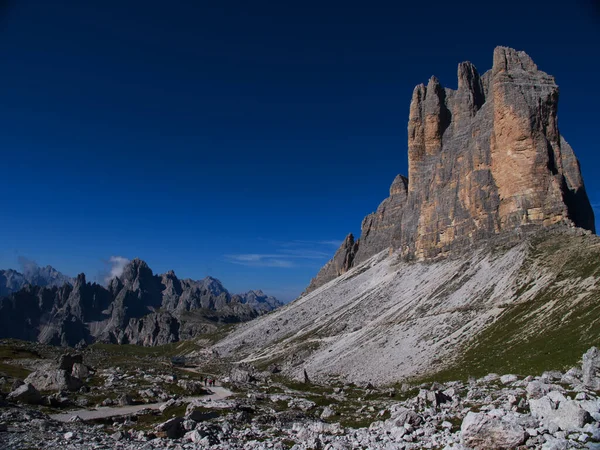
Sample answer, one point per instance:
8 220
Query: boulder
172 427
537 389
26 393
403 416
192 387
555 409
239 375
327 413
53 380
66 361
80 371
480 431
506 379
124 400
591 369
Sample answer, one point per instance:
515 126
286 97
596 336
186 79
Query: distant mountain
137 307
260 301
13 281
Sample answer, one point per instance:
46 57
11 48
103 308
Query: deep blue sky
240 139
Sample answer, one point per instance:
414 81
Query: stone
591 369
69 435
241 375
172 427
537 389
66 361
26 393
53 380
124 400
80 371
480 431
306 379
555 409
507 379
118 436
327 413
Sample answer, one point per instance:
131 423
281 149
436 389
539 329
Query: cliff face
484 159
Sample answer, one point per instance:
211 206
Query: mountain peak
483 160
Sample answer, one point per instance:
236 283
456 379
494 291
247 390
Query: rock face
137 308
341 262
484 159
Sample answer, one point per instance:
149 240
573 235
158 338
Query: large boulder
66 361
240 375
591 369
80 371
173 428
54 380
480 431
556 409
26 393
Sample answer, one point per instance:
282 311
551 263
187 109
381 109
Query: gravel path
219 393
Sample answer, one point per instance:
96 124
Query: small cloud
117 264
334 243
28 266
258 260
287 254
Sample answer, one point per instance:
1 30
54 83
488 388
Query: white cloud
117 264
258 260
287 254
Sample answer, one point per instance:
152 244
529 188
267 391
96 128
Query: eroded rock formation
484 159
138 308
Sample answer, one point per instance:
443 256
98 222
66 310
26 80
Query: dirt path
219 393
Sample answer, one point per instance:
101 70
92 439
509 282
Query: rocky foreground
260 410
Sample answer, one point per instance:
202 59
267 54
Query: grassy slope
547 330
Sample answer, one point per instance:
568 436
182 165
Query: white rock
506 379
591 369
555 408
480 431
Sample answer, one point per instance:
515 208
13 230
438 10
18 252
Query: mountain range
138 307
13 281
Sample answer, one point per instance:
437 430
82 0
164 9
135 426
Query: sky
241 140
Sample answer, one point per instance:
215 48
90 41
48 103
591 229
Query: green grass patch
13 371
549 331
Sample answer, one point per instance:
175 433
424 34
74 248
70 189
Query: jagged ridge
138 308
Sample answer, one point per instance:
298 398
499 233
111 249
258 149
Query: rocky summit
484 159
137 307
